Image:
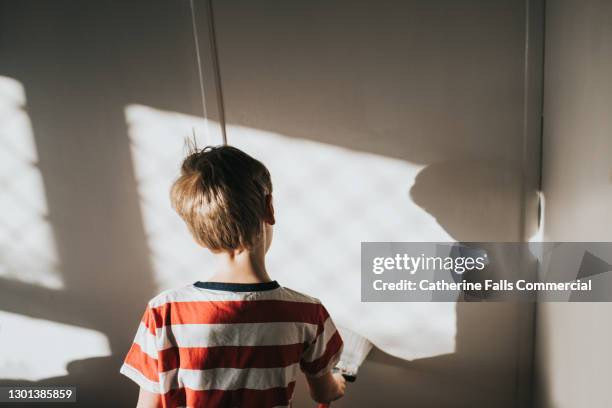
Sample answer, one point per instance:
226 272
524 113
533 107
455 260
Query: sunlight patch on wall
328 200
28 251
157 142
38 348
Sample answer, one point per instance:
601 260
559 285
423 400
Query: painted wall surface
574 360
95 100
393 121
378 120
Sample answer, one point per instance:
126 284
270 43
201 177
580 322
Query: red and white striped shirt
216 344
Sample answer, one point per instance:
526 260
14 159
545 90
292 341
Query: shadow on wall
466 198
80 65
417 81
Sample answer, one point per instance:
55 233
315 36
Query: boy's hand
326 388
341 382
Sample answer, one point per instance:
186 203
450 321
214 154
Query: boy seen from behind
238 339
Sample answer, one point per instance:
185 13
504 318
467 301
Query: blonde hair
221 195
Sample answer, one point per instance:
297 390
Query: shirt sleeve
141 364
323 353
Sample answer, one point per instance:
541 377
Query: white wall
574 359
70 72
394 121
431 95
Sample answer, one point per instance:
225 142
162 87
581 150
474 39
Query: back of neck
241 267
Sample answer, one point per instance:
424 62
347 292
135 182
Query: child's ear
269 217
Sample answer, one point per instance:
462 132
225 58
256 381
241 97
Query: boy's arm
141 363
147 399
326 388
319 358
